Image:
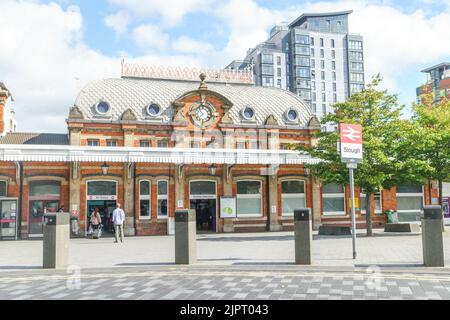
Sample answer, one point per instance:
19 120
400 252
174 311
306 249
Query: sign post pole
350 167
350 148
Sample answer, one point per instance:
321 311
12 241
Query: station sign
350 142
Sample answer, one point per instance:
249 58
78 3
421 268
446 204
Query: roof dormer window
153 110
248 113
102 107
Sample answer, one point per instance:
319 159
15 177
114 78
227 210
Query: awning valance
53 153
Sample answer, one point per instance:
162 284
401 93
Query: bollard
432 240
56 240
185 236
303 236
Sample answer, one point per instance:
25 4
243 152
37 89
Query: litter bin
391 216
74 226
56 240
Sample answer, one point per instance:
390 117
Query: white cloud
118 22
41 57
189 45
170 12
149 36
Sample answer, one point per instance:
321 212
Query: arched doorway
203 198
101 195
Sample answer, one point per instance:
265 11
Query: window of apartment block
355 45
409 202
302 61
322 53
267 58
267 69
333 199
376 201
292 196
358 77
324 97
355 87
303 50
313 85
267 81
303 84
321 42
278 72
111 143
324 108
279 60
302 39
333 54
334 97
333 65
144 144
334 76
322 64
356 55
249 198
93 142
323 86
313 96
312 41
304 94
314 107
144 199
332 43
3 189
279 83
163 198
312 52
358 66
313 74
313 63
334 86
302 72
322 75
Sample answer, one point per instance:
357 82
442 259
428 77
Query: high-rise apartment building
437 83
314 56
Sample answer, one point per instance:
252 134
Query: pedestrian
118 219
61 209
95 219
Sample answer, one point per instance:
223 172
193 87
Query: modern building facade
437 83
158 140
314 56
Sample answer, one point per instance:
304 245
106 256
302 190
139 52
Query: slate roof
35 138
137 94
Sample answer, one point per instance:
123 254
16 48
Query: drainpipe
19 202
267 201
134 199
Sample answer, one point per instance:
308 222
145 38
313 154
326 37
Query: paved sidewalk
224 283
386 250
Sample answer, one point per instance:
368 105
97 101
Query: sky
50 50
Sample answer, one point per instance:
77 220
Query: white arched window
163 198
292 196
249 198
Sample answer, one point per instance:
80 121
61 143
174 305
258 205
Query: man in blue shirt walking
118 219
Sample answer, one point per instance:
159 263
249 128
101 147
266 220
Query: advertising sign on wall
227 207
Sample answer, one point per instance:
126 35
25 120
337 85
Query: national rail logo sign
351 142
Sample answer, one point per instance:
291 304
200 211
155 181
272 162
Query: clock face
203 113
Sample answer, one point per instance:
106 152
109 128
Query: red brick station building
158 139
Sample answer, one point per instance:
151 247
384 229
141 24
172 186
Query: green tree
431 139
383 133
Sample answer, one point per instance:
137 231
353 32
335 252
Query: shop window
3 189
409 202
44 188
249 199
144 199
292 196
163 198
333 199
376 202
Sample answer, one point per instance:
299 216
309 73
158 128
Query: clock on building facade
203 114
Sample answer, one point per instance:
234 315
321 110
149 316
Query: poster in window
227 207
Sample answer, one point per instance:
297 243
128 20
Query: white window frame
111 140
145 197
92 140
162 197
334 195
250 196
6 188
362 195
410 195
292 195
